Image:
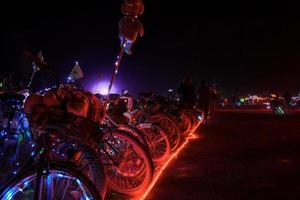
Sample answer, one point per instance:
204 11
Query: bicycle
16 145
152 136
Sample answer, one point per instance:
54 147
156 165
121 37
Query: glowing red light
164 166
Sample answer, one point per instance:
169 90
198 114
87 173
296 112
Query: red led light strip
165 165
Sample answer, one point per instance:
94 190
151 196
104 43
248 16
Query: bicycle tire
112 171
156 156
170 127
61 167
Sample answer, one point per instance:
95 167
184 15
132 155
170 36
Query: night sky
240 51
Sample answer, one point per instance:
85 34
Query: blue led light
26 183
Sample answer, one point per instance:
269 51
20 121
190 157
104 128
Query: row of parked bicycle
57 150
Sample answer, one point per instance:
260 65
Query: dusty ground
252 155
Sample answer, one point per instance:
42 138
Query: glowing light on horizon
102 88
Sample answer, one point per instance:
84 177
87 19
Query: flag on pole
76 72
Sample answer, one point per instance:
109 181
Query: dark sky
240 48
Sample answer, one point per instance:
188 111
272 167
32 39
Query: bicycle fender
145 125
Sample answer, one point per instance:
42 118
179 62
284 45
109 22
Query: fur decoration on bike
129 25
132 8
130 28
76 102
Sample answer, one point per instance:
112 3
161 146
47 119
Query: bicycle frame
44 160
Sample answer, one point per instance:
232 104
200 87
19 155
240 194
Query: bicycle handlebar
43 66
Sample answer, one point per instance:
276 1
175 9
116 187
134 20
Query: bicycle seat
146 95
129 114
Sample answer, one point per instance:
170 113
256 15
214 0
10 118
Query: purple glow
102 88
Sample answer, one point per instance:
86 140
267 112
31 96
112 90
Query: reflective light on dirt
161 169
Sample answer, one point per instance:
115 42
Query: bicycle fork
43 177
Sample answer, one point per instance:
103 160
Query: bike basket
54 120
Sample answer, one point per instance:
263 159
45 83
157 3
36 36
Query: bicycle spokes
55 185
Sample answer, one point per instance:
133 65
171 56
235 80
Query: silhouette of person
213 99
186 91
203 94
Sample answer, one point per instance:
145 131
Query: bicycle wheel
88 163
128 166
170 127
157 141
61 182
185 123
133 132
94 169
192 117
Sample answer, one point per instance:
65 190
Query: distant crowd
204 97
